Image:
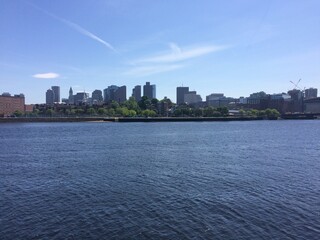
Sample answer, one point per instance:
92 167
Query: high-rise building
108 93
120 94
296 100
50 97
311 93
71 96
81 98
149 90
192 97
136 93
181 91
56 90
115 93
97 97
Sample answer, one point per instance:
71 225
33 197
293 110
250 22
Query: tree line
144 108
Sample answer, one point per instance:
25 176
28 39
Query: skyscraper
97 96
115 93
56 90
49 97
181 91
120 94
71 96
108 93
311 93
136 93
149 90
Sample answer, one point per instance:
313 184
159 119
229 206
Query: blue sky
235 47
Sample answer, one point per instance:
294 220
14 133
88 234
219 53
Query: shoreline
139 119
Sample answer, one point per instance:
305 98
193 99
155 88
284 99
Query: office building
136 93
81 98
149 90
120 94
115 93
56 90
108 93
296 100
218 100
181 91
9 104
49 97
192 97
311 93
97 97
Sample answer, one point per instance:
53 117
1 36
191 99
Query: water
219 180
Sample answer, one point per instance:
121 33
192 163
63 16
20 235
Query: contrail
75 27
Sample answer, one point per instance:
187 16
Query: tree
149 113
198 112
242 112
131 104
223 110
79 111
91 111
49 112
208 112
254 112
272 113
36 112
102 111
114 105
18 113
111 112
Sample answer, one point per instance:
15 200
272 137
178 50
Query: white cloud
177 54
165 62
46 75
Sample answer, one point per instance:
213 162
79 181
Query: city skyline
235 47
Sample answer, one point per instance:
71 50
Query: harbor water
186 180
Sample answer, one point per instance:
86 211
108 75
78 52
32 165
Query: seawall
123 119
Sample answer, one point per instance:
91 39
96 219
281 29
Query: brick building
9 104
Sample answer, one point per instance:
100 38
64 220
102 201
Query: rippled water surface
219 180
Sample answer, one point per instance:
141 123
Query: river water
210 180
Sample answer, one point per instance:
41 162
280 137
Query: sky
235 47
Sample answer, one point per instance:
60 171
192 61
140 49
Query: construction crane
296 84
297 87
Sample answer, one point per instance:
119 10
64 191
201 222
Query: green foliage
131 104
149 113
49 112
18 113
91 111
272 113
209 111
198 112
79 111
242 112
102 111
36 112
145 103
114 105
223 111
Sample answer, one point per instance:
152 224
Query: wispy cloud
178 54
170 60
150 70
46 75
76 27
